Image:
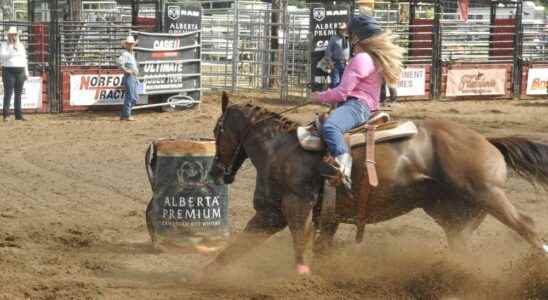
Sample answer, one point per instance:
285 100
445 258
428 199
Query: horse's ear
224 101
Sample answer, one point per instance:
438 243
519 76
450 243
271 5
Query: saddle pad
312 142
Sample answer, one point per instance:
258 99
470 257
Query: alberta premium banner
169 63
537 81
32 93
187 206
180 18
325 18
98 89
475 82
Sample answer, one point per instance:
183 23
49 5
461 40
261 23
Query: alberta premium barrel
187 209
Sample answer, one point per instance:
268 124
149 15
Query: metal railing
241 52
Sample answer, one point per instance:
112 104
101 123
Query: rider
375 57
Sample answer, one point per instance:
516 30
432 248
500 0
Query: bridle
229 169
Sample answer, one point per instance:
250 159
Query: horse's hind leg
497 204
298 213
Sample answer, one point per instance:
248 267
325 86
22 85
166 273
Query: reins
229 168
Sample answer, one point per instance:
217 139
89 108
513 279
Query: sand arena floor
73 192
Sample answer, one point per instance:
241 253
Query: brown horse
453 173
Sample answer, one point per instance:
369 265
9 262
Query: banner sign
325 18
98 89
187 205
537 81
32 93
169 63
181 18
476 82
412 82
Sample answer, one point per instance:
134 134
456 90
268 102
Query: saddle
379 128
385 130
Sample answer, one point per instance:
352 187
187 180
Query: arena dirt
73 193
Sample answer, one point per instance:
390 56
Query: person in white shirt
13 57
128 64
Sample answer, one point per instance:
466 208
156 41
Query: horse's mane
260 114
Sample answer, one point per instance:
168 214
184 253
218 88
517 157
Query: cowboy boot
345 167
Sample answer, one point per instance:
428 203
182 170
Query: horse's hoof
303 269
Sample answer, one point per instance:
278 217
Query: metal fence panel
243 49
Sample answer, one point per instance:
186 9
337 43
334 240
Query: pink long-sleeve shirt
361 80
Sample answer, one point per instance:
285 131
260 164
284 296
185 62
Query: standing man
128 64
337 52
14 72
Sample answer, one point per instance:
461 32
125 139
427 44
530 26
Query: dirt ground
73 192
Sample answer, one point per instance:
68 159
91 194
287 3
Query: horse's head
229 139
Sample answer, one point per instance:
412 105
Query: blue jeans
346 117
336 75
130 98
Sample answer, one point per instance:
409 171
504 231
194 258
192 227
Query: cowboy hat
12 30
129 40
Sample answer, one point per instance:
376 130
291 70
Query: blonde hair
386 55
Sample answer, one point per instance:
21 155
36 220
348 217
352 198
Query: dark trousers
13 79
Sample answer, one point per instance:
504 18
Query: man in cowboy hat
337 52
15 71
128 64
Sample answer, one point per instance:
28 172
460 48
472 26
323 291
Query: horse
453 173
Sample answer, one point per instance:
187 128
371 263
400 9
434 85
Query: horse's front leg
298 214
261 227
324 242
267 221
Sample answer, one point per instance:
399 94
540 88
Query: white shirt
127 61
14 56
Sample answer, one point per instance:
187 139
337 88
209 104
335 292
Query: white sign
537 81
476 82
412 82
32 94
98 89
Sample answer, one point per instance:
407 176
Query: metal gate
252 46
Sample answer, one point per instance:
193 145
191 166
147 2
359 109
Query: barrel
187 210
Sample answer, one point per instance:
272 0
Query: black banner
180 18
169 63
185 201
325 18
165 42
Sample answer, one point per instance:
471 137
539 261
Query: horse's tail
527 158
